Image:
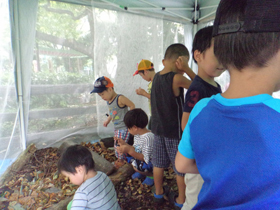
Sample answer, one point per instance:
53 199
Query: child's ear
197 55
163 62
80 169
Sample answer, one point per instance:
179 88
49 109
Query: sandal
172 199
161 198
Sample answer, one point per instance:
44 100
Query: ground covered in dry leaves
38 185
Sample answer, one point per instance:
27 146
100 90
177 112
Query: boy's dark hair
73 157
176 50
241 49
202 40
136 117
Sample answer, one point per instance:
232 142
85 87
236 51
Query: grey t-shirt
117 113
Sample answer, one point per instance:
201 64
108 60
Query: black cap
260 16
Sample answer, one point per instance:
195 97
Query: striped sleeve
79 201
101 193
147 146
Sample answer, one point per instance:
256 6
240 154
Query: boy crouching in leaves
96 190
136 121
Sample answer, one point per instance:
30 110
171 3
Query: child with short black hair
203 86
232 139
96 190
118 106
167 98
136 121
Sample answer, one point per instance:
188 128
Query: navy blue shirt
198 90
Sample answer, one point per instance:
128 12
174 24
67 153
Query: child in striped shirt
96 190
136 121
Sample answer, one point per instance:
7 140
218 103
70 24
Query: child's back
167 108
237 154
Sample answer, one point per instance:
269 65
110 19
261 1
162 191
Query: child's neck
169 66
89 174
113 97
250 82
152 76
143 131
168 69
207 78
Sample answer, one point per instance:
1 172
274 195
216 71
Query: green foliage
6 129
43 125
64 77
59 18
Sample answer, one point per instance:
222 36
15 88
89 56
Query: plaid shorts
164 152
123 134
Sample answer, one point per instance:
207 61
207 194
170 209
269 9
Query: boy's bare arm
185 119
185 165
128 149
142 92
124 101
180 81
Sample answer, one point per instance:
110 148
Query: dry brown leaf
14 197
26 201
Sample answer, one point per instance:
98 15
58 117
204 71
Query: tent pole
18 75
208 7
211 13
194 26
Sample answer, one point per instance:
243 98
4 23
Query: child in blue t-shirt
232 139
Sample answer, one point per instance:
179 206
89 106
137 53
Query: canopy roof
104 48
182 11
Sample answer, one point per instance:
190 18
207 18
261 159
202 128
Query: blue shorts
164 152
140 165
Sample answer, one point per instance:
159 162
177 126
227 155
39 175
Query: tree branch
82 48
63 11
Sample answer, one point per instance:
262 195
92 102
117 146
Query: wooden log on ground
122 173
23 158
101 164
108 142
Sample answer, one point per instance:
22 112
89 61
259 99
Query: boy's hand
182 64
141 92
120 141
123 149
105 123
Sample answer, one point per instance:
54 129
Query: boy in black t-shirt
203 86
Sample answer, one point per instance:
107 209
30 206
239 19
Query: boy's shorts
164 152
123 134
140 165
